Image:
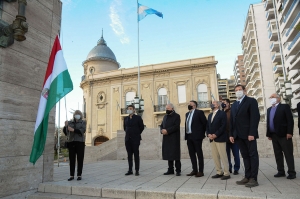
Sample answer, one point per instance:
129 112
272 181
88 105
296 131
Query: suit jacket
298 110
283 121
217 126
133 128
198 125
244 118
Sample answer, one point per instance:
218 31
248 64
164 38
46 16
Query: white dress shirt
190 116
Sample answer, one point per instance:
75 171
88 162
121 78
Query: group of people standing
229 129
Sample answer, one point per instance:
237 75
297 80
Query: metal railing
290 10
204 104
295 58
159 108
123 111
294 41
292 25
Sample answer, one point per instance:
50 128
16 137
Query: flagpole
58 134
138 29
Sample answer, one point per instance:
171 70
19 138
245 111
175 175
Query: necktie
212 117
238 103
188 123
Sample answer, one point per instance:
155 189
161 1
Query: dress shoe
178 174
279 175
79 178
251 183
192 173
225 177
243 181
291 176
71 178
199 174
230 171
137 173
235 173
169 173
217 176
128 173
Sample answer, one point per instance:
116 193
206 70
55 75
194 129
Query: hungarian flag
57 84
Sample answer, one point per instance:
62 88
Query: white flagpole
58 134
139 93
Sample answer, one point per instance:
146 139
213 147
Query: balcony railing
293 25
290 10
204 104
295 58
294 41
285 1
123 111
159 108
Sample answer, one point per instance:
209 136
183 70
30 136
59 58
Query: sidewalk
106 179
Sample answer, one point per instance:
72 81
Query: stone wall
22 70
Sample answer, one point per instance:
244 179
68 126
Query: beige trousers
219 154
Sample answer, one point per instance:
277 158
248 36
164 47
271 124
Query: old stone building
107 90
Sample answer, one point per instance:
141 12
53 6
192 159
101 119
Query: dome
101 52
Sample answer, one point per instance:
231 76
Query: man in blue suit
244 120
195 126
216 132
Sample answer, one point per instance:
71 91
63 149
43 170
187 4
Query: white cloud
116 23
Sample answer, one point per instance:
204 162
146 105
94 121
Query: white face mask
273 101
77 117
239 94
129 112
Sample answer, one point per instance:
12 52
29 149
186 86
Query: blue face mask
223 105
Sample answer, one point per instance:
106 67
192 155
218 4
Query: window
181 94
162 96
129 98
202 92
243 75
243 80
242 71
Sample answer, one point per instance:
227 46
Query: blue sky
189 29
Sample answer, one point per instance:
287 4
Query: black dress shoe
169 173
235 172
71 178
129 173
178 174
216 176
137 173
279 175
291 176
230 171
79 178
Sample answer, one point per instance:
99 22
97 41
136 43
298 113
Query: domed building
107 90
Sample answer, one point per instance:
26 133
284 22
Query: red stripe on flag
56 47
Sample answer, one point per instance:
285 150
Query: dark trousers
283 146
250 156
235 151
195 147
76 149
132 148
177 166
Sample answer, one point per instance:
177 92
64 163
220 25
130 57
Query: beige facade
239 70
223 88
106 94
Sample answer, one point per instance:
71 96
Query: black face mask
212 106
169 112
223 105
190 107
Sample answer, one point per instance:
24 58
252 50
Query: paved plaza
106 179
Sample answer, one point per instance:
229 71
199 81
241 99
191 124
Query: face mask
77 117
239 94
129 112
169 112
223 105
190 107
273 101
212 106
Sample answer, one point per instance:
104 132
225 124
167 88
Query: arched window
162 96
99 140
202 92
129 97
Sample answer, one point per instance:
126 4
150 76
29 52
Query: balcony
294 47
254 74
256 81
276 57
292 29
270 14
296 95
204 104
253 66
296 78
257 89
257 97
123 111
287 16
295 62
268 4
279 80
277 69
159 108
273 35
274 46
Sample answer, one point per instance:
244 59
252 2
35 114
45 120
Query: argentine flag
143 11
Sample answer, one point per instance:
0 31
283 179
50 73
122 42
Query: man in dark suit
133 126
280 126
244 120
195 126
170 128
216 132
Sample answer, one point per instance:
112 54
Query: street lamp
139 105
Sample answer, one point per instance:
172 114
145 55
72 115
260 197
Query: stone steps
60 196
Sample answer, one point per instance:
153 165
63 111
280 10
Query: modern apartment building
258 60
284 32
239 70
223 89
231 92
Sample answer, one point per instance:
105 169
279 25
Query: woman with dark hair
75 132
